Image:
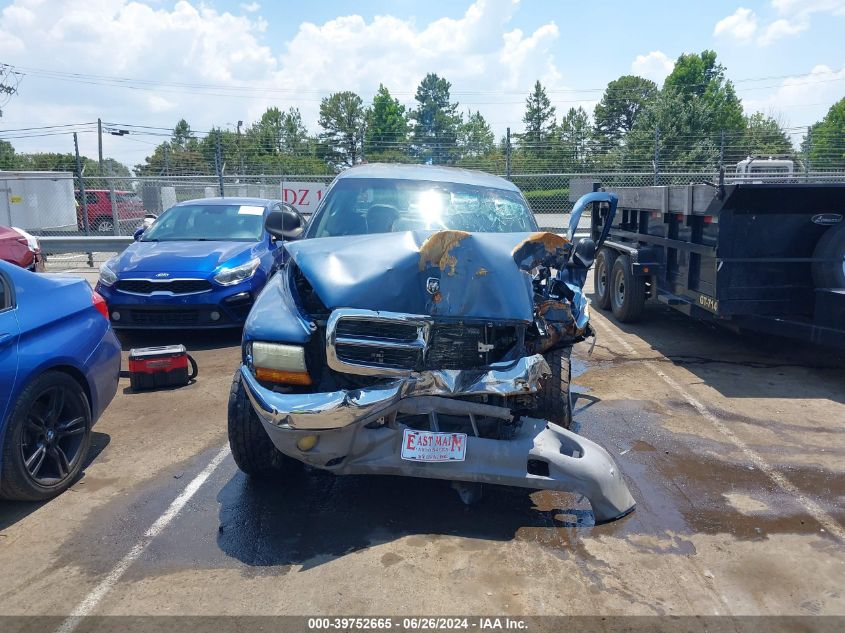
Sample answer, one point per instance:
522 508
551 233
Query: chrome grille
386 343
173 286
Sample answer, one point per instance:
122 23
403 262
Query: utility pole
240 150
508 154
114 215
722 152
83 198
100 143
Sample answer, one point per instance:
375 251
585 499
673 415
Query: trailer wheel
601 277
830 246
627 292
553 401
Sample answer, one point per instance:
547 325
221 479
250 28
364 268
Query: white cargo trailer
38 200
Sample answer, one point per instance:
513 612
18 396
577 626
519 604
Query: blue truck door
9 334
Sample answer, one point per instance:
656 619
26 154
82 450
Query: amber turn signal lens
307 442
283 377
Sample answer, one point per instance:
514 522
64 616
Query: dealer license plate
428 446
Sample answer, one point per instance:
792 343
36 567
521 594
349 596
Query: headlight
31 242
107 275
274 362
229 276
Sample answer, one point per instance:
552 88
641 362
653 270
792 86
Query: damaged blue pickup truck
422 326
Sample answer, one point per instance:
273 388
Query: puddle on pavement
681 486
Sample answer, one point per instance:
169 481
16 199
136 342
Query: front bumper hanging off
346 445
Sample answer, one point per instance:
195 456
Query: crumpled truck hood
440 273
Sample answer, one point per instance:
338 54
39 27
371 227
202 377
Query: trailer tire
627 291
251 447
553 402
830 246
601 277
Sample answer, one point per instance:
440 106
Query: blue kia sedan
59 367
200 265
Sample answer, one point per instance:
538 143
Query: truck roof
434 173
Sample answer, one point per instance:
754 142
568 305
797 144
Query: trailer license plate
428 446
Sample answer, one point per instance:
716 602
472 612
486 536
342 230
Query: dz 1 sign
305 196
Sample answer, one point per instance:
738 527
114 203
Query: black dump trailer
759 257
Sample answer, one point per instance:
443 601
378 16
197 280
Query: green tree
539 119
621 104
763 135
295 138
179 157
342 120
574 136
825 143
387 124
685 121
7 155
475 137
435 121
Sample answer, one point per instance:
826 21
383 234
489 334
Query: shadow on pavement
747 365
13 511
313 517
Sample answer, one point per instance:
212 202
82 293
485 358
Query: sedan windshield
235 222
356 206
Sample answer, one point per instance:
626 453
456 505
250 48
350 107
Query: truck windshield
235 222
356 206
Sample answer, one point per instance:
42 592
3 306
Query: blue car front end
199 283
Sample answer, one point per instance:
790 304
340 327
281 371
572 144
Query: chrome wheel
601 278
105 226
53 435
619 287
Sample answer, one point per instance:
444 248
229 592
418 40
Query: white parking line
813 509
89 603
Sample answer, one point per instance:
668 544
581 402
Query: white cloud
741 25
794 18
782 28
802 99
656 66
191 42
250 7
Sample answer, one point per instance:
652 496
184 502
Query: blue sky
787 57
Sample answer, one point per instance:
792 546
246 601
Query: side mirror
147 222
287 224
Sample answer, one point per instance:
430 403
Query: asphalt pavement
732 446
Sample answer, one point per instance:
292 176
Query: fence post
82 195
809 150
722 152
508 155
218 165
656 156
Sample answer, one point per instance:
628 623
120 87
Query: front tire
553 402
251 447
46 439
601 279
627 291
